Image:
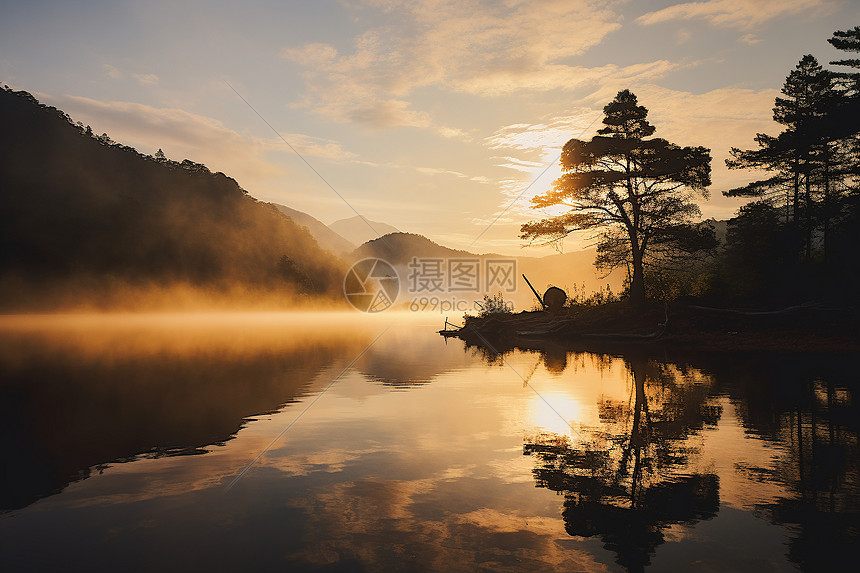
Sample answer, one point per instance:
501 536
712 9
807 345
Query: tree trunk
796 201
796 210
637 285
826 207
808 190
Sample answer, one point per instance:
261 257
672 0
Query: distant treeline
799 237
80 209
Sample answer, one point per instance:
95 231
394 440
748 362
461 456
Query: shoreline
808 328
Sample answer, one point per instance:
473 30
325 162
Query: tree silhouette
759 255
845 120
636 192
849 41
844 249
814 159
800 154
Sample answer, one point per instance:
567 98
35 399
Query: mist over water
370 443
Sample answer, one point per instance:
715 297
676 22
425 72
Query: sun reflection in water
555 412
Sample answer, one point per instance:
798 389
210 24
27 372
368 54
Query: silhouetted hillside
399 248
74 206
326 238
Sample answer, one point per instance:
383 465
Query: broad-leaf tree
635 192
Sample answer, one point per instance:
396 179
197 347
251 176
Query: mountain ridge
327 238
356 229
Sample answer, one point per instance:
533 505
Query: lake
347 442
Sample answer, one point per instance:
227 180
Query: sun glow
556 413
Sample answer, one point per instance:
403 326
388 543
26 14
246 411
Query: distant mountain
79 211
356 230
326 238
399 248
573 271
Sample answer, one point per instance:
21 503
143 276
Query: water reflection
628 479
673 462
80 392
402 361
810 408
636 473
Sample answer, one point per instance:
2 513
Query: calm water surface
333 442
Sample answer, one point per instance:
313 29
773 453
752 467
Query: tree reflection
629 479
808 409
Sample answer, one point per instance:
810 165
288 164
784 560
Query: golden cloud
740 14
476 47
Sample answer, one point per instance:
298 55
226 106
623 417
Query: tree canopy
811 187
637 194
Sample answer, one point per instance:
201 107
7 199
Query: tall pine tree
845 123
802 157
636 192
849 41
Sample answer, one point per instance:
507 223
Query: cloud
112 72
552 134
683 36
459 175
551 77
182 134
533 151
143 79
438 171
146 79
478 47
520 164
741 14
749 39
314 55
386 113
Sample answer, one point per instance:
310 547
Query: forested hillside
81 211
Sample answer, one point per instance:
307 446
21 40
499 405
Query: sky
438 117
